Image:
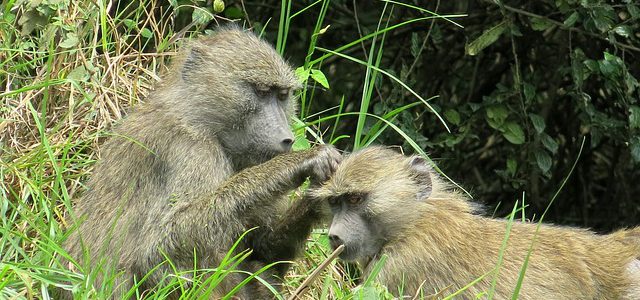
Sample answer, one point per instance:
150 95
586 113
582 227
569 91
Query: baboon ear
193 62
422 174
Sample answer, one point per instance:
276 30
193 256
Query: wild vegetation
500 94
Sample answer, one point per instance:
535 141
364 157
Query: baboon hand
323 164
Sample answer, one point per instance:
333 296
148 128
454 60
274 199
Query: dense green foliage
500 95
543 75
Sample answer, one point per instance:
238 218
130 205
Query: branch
562 26
305 284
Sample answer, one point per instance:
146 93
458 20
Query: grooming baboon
206 158
384 203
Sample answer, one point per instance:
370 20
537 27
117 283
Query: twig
305 284
246 14
562 26
426 39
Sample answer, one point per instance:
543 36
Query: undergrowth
71 69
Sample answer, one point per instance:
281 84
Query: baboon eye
355 199
333 201
262 91
283 94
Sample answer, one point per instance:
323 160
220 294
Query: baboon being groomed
384 203
205 159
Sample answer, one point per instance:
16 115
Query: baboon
205 159
435 239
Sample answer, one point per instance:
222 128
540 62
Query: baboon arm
264 182
244 194
287 236
283 240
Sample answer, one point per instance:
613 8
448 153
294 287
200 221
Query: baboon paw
325 163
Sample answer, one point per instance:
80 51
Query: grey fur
203 160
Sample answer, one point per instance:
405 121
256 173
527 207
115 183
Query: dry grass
59 98
69 71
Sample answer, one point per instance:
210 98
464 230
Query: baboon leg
283 240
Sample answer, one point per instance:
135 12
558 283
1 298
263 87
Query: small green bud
218 6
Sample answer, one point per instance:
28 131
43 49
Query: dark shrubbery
520 85
552 73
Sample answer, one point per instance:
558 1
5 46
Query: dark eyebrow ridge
345 195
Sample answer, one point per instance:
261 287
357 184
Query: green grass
69 79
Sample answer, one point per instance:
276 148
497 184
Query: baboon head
236 87
374 195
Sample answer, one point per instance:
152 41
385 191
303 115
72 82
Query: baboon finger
334 158
324 175
336 161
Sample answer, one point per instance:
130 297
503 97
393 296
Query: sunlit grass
61 97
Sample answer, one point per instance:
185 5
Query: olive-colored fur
204 159
434 242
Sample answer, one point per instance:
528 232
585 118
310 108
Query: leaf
302 74
544 160
201 16
608 68
474 106
623 30
233 12
633 10
301 143
578 72
300 140
415 45
634 147
8 17
610 57
591 64
496 115
611 65
145 32
485 39
549 143
70 42
634 117
540 24
631 82
48 35
529 91
514 30
513 133
538 122
512 166
572 19
131 24
80 74
30 20
452 116
602 18
318 76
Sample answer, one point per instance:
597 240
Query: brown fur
196 166
438 243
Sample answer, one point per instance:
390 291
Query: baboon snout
335 241
282 138
287 143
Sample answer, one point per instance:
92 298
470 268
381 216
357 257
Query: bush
501 96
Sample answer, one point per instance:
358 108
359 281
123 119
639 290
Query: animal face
373 195
245 103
